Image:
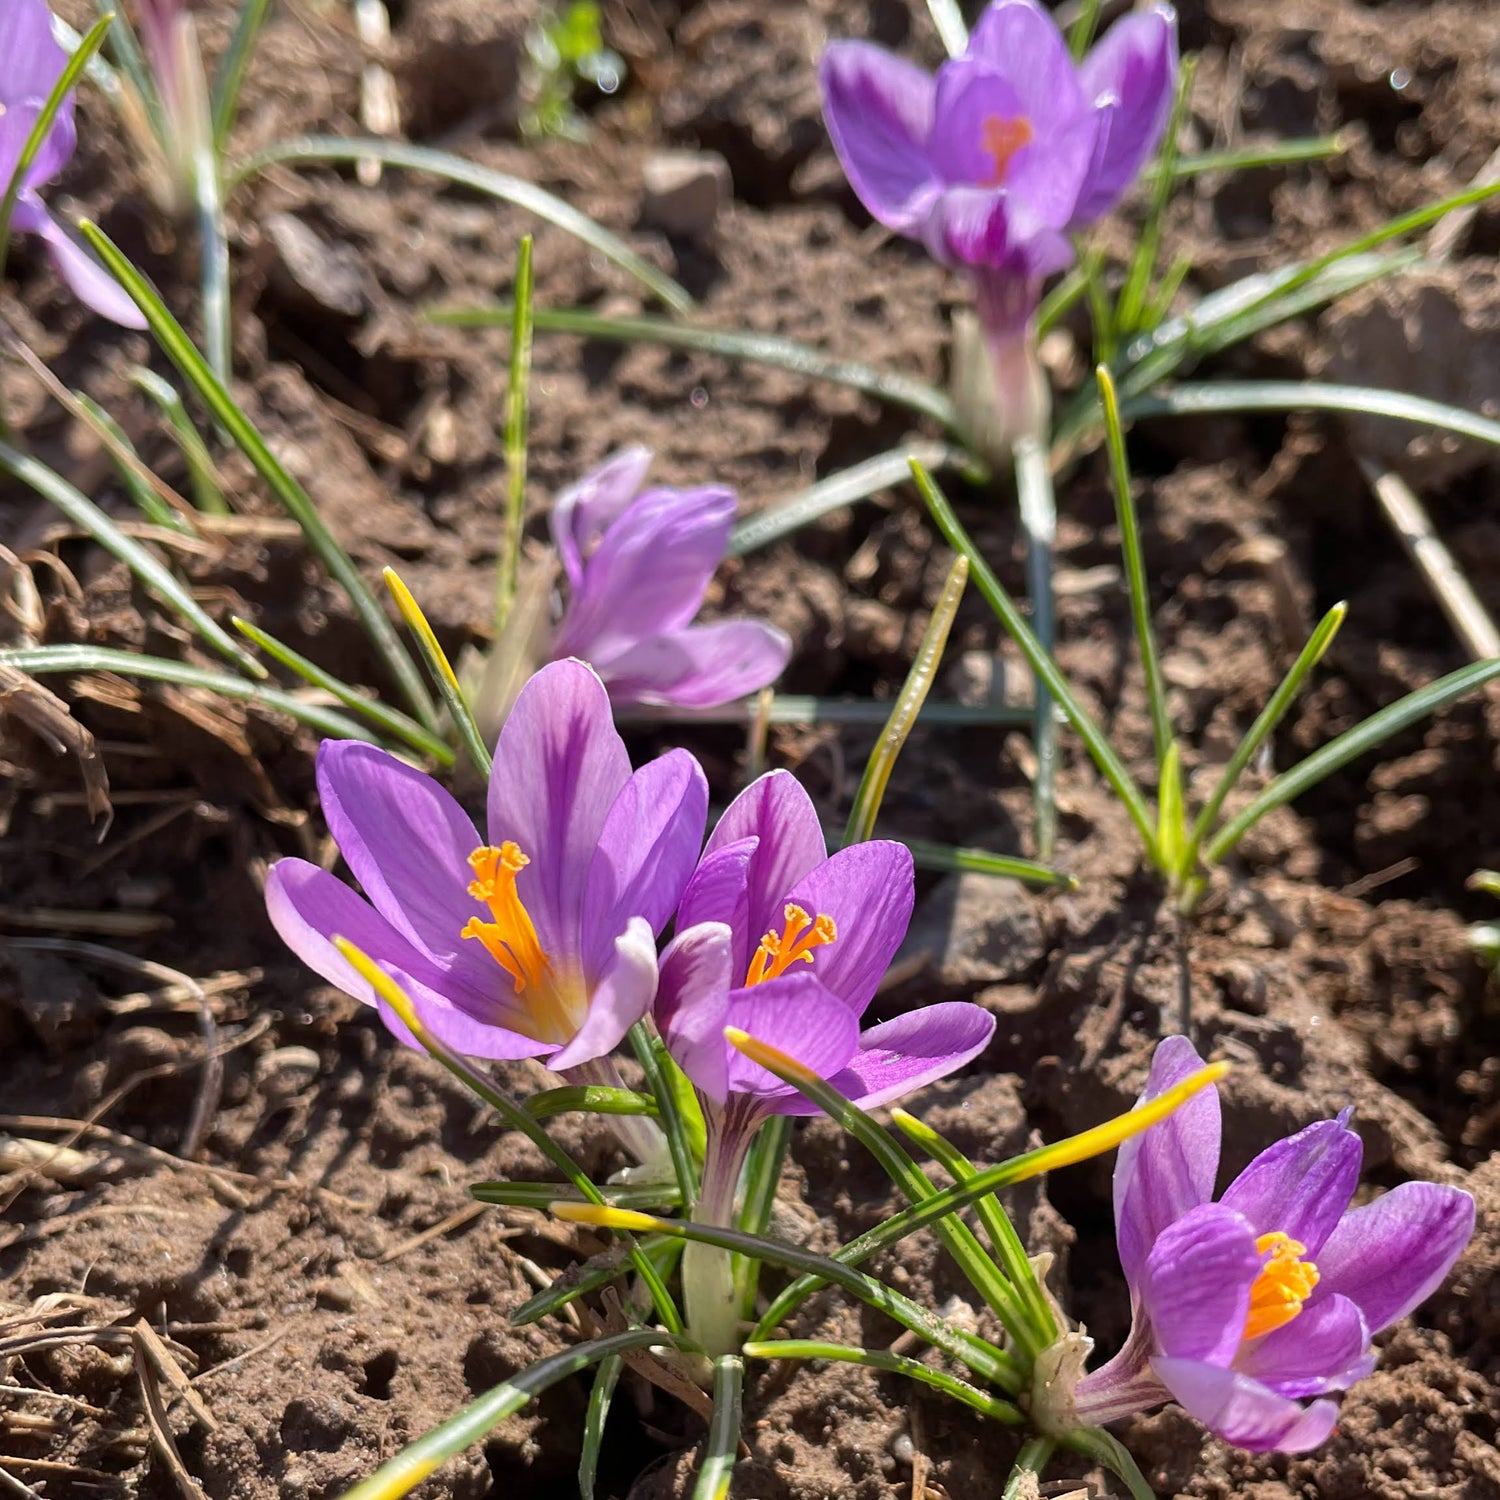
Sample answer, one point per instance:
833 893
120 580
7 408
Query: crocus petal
718 890
559 765
647 850
1242 1410
33 59
1326 1347
618 997
649 573
1391 1254
1129 77
584 512
1022 41
775 810
901 1056
878 109
1161 1175
692 1003
1300 1186
699 666
868 890
91 283
16 125
408 843
977 226
1196 1285
796 1014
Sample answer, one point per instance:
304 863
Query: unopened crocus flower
31 62
789 944
1246 1306
638 563
538 940
1012 147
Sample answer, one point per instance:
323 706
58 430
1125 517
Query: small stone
684 192
310 271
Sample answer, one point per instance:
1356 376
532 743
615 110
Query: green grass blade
1135 567
154 574
203 476
421 1459
754 348
668 1094
1350 745
722 1446
147 501
298 503
858 482
979 1356
895 1364
131 61
648 1197
1245 158
1260 731
1106 1449
517 406
1171 820
395 725
1026 1472
1081 33
794 708
234 64
763 1167
526 195
606 1377
981 861
593 1275
47 660
1039 520
591 1099
1111 767
951 28
1298 395
907 707
1058 301
91 42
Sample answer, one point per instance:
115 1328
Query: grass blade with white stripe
721 1447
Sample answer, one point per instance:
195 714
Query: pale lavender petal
33 59
618 997
1196 1283
649 573
718 891
699 666
16 125
776 810
976 226
878 109
901 1056
1242 1410
1022 41
1300 1186
1391 1255
798 1016
647 849
692 1002
91 283
1326 1347
408 843
585 511
1129 77
558 768
1170 1169
461 1031
868 890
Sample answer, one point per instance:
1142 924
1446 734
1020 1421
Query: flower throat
793 944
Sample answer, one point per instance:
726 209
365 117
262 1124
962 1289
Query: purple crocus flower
1245 1306
539 941
639 562
782 940
1008 150
32 64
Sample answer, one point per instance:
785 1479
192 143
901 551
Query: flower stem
708 1270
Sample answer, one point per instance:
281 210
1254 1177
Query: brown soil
289 1268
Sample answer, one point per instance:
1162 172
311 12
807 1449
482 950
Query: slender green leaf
331 148
951 28
982 862
1171 821
153 573
1245 158
421 1459
1111 767
517 406
763 1168
647 1197
234 64
672 1100
1026 1472
584 1280
203 476
1058 301
1350 745
1039 520
131 61
133 476
299 505
907 707
755 348
590 1099
1104 1448
783 517
721 1448
43 661
606 1377
1081 33
896 1364
791 708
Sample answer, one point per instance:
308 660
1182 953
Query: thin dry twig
161 1433
52 721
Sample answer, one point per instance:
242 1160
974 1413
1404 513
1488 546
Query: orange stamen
1285 1282
778 952
510 939
1001 139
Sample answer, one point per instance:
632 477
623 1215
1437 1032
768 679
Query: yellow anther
1285 1282
778 952
1001 139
